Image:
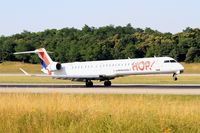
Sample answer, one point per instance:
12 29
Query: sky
38 15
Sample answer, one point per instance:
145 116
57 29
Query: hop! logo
142 65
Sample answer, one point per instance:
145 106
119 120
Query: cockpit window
169 61
172 61
166 61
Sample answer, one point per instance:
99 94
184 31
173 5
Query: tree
24 46
7 49
131 51
103 43
192 55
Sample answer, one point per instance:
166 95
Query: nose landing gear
174 77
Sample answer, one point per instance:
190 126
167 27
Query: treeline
104 43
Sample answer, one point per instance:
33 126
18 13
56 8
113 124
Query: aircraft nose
181 68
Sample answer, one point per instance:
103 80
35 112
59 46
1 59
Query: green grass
193 68
13 67
122 80
157 80
99 113
28 79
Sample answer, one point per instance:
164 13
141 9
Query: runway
100 89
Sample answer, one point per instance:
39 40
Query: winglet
27 74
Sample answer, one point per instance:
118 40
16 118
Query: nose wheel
174 77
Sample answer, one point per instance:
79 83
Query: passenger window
166 61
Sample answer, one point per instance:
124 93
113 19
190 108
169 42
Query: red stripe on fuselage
44 56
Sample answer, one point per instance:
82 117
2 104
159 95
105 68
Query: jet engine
55 66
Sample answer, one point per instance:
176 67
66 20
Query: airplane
104 70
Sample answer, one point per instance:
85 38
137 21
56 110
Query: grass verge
99 113
122 80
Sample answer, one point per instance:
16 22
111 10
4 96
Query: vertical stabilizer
47 64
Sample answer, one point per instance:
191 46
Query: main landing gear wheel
174 77
89 84
107 83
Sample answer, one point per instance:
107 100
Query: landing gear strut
174 77
107 83
89 83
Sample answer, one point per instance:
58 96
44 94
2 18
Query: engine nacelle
55 66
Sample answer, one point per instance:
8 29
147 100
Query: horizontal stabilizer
30 52
27 74
26 52
35 75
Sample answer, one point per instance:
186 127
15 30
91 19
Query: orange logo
142 65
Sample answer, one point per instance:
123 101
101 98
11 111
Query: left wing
73 77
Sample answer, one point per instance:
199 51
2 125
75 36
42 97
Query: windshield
169 61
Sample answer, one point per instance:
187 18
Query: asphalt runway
100 89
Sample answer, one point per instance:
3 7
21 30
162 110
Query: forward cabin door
158 65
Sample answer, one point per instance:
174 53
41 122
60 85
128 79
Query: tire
89 84
175 78
107 83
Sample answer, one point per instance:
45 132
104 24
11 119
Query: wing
74 77
84 78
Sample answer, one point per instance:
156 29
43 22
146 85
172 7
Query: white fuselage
116 68
105 70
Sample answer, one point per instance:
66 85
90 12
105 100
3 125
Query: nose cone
181 68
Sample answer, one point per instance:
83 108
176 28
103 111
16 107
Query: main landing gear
174 77
89 83
107 83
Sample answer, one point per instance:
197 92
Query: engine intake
55 66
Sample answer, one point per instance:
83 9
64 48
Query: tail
47 64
